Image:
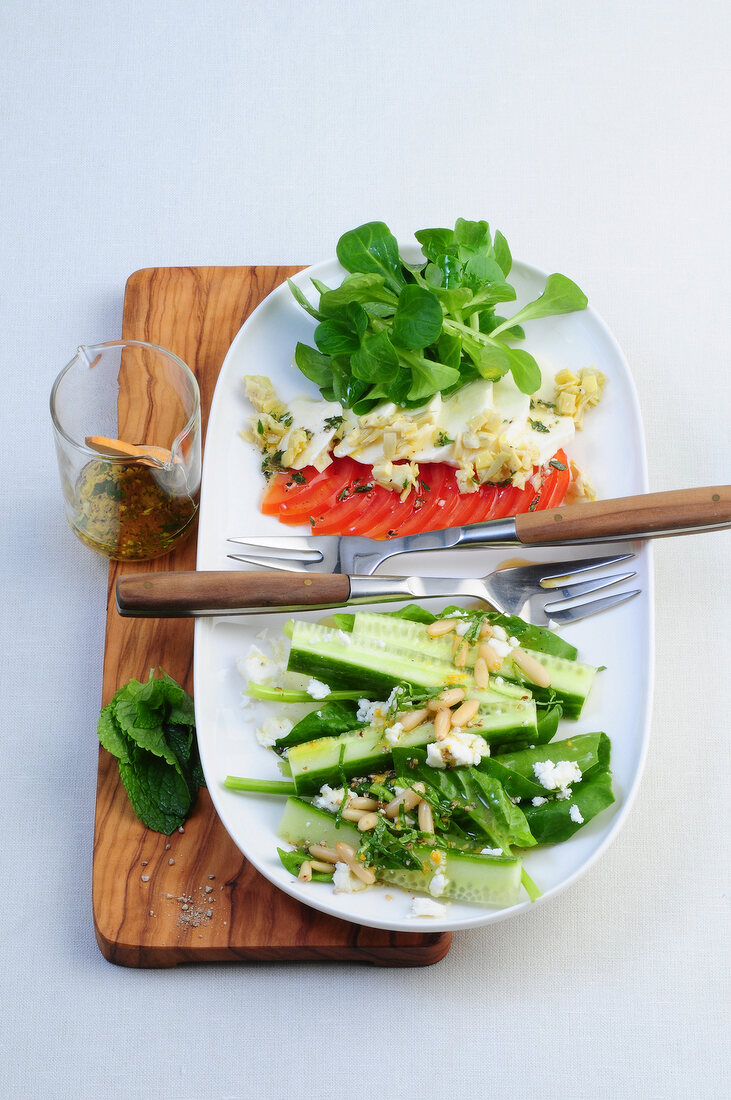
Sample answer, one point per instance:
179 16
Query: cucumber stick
484 880
371 665
360 752
570 680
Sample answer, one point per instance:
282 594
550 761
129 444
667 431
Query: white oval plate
610 450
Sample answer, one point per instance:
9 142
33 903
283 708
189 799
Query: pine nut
426 817
463 652
350 814
319 865
368 822
410 719
481 673
442 723
408 799
486 630
440 627
347 855
533 669
452 696
305 874
361 802
464 714
490 657
329 855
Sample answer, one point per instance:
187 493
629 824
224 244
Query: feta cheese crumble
425 907
438 884
556 776
539 801
317 689
258 667
458 747
501 648
575 814
393 733
271 731
370 711
491 851
329 798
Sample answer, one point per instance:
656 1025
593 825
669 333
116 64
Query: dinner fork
534 592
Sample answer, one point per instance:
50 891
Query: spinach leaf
292 862
330 719
552 822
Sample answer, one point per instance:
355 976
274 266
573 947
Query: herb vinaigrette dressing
131 511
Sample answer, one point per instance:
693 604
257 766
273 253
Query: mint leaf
110 735
150 728
159 794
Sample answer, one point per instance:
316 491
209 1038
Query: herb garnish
538 425
557 464
150 728
271 464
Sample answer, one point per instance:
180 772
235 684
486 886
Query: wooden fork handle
173 595
647 516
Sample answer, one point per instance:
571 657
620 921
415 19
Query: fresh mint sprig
150 728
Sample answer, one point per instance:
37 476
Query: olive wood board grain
192 897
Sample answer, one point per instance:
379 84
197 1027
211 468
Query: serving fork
534 592
310 571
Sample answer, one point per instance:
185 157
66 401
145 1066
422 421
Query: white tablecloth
597 137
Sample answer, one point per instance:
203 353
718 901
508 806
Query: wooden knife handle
174 595
644 516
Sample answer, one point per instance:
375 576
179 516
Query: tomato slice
342 513
320 494
388 525
331 498
426 511
556 484
374 506
282 486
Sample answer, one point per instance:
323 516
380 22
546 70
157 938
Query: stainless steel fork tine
289 565
292 551
564 615
581 588
556 571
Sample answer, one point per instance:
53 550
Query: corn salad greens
403 332
428 759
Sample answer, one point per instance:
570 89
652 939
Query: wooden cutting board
192 897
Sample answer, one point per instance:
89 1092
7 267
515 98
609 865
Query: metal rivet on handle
716 496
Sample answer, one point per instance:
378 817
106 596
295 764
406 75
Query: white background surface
596 137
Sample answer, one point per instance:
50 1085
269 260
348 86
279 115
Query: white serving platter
610 450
